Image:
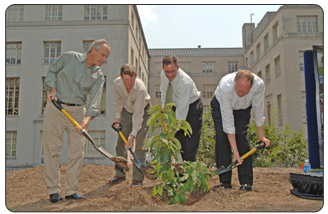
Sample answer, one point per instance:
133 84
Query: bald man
236 95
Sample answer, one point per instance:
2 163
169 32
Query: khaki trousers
54 125
126 122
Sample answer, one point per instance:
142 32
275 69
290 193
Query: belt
69 104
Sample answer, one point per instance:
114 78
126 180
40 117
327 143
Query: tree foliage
176 179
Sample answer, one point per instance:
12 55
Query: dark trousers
222 146
189 144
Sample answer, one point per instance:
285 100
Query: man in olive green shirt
70 79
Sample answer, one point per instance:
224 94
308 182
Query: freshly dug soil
25 191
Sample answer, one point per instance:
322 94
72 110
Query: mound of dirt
25 191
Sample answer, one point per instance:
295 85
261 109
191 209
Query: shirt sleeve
258 105
227 113
54 68
95 97
138 112
182 106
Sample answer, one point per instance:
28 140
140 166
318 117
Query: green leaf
154 191
180 198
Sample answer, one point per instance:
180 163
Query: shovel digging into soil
121 161
223 169
141 165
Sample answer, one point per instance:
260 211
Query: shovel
222 169
141 165
121 161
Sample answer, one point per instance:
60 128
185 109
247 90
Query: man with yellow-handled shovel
69 80
131 104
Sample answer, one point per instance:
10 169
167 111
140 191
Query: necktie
169 93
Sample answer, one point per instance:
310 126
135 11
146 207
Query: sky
187 26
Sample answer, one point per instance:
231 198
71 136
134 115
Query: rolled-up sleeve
95 97
258 106
138 112
54 68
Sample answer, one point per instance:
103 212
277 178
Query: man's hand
130 142
52 95
115 121
266 141
84 124
237 157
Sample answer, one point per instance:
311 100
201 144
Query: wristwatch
234 150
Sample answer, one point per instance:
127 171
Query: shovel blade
222 170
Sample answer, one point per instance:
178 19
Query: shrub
288 148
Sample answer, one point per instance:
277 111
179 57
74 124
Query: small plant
176 179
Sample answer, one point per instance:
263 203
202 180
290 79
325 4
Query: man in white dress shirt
236 95
188 107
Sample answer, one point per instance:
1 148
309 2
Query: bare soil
25 191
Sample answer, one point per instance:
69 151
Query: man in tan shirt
131 104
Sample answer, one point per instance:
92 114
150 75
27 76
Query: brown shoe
136 183
116 180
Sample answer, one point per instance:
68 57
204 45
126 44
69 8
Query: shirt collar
83 57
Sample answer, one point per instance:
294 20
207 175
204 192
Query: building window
158 67
99 138
15 13
12 96
232 66
259 74
11 143
185 66
258 51
132 56
158 93
208 90
208 67
52 50
303 100
279 101
102 106
275 30
266 42
301 60
132 20
307 24
44 96
95 12
269 111
251 58
54 12
86 45
277 67
13 53
267 73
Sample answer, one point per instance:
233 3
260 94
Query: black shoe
225 185
116 180
54 198
245 187
74 196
